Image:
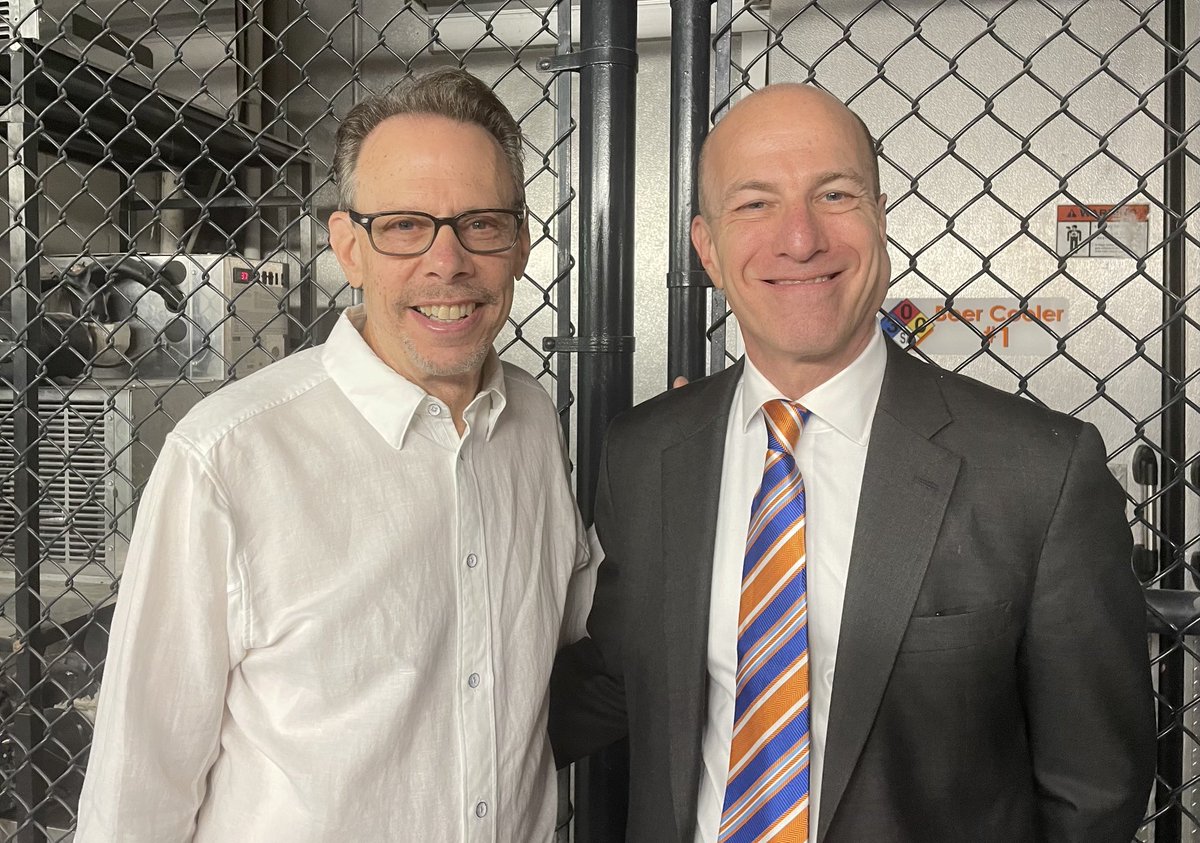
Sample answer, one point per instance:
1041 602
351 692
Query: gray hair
449 92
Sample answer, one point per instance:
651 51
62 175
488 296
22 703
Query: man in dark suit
964 655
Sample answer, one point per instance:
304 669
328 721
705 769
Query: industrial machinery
96 451
165 316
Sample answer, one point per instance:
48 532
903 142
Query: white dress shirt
831 455
338 617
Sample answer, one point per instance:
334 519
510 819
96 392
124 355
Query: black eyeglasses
406 234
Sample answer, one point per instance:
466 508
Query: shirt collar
385 398
846 402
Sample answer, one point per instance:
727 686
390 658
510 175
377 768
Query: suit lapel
691 484
906 486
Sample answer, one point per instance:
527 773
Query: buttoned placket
475 668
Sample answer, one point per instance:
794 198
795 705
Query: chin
450 366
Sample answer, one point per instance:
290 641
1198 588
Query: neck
794 381
796 378
455 390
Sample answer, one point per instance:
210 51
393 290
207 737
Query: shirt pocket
956 631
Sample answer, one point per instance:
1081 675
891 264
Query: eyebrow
822 179
839 175
749 184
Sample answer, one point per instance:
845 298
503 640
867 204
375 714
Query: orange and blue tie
766 794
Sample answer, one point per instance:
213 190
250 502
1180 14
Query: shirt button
435 409
481 810
472 560
473 680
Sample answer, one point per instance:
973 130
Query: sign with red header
1103 231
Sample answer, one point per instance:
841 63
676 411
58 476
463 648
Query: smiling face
433 317
793 232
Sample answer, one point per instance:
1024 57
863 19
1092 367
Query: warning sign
999 324
1103 231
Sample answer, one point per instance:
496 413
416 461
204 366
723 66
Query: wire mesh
1041 225
164 232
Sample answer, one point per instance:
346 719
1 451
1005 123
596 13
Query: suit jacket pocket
955 631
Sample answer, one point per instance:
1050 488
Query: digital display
244 276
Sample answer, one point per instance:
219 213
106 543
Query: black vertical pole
606 129
564 262
607 95
28 728
1171 680
687 284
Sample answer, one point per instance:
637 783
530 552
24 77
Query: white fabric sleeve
162 696
588 556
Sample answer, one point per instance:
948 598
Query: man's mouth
446 312
796 282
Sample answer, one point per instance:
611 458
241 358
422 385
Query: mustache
461 292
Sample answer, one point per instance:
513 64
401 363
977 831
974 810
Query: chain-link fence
1041 219
167 190
166 195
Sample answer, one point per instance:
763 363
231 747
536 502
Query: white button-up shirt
338 617
831 456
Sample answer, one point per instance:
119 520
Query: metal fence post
608 42
607 86
28 728
1168 826
687 284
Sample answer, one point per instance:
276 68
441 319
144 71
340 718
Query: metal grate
76 520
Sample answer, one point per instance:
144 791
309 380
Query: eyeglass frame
366 221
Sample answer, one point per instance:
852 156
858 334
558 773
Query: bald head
784 102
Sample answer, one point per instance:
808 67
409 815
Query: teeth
447 312
793 282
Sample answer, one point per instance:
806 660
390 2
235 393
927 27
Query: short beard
470 364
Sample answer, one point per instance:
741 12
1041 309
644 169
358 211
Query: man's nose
801 233
447 257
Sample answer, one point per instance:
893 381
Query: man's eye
483 223
836 196
399 225
756 205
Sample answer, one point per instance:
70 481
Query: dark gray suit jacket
992 676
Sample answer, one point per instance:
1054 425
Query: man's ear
702 242
346 247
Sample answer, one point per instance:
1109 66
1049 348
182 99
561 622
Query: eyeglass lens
486 231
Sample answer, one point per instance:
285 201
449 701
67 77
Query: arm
587 692
163 692
1085 668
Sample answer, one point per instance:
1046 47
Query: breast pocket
927 633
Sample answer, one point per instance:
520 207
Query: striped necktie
766 795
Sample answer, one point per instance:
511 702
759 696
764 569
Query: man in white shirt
347 581
924 628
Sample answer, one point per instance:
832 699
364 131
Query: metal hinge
602 344
688 278
589 58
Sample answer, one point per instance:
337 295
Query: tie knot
785 421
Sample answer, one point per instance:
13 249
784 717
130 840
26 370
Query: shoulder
527 394
253 399
986 419
969 398
677 413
